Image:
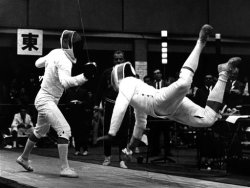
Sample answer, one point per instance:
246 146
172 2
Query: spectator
156 137
80 110
107 95
147 79
201 93
234 91
21 126
158 80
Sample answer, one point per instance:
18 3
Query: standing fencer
57 77
168 102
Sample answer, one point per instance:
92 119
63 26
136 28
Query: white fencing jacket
57 76
134 92
169 102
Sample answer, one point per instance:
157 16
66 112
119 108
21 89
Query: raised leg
215 97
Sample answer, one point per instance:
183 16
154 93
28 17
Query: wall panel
62 14
177 16
230 17
13 13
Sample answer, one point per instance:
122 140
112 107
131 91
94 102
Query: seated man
168 102
234 92
22 125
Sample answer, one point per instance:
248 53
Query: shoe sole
123 167
106 164
232 63
205 32
68 176
24 166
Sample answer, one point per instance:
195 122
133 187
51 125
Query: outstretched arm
121 105
126 92
64 73
119 111
69 81
139 128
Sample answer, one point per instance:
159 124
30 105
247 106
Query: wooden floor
46 174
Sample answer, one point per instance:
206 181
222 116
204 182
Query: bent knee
183 85
64 133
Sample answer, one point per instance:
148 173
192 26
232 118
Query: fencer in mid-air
168 102
57 77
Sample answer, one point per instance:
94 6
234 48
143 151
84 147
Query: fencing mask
72 44
121 71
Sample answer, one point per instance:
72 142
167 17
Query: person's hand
89 70
127 154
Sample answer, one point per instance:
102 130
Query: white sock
14 144
217 94
63 155
28 148
193 59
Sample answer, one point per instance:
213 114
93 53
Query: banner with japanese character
29 42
